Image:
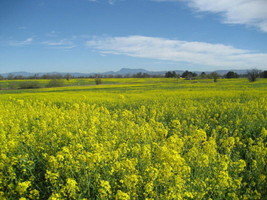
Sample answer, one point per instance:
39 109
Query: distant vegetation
98 81
29 85
58 80
55 83
253 75
231 74
169 74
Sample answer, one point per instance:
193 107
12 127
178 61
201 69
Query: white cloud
200 53
247 12
52 34
62 44
21 43
111 2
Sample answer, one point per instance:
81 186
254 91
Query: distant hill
222 72
28 74
122 71
129 71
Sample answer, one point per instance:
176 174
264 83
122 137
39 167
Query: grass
152 86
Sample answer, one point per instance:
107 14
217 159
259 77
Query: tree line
252 75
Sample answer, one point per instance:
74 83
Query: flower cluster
150 145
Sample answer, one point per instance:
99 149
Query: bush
29 85
264 74
98 81
55 83
214 76
170 74
253 75
12 85
231 74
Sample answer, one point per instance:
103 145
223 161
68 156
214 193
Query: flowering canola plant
172 141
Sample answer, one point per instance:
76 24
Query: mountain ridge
122 71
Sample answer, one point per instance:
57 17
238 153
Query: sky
107 35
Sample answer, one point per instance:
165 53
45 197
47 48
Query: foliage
141 75
12 85
264 74
214 76
135 141
203 75
29 85
188 74
55 83
68 77
98 81
253 75
171 74
231 74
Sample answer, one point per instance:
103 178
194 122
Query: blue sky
103 35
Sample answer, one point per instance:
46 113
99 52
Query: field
135 139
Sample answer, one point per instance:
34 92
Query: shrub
55 83
214 76
231 74
98 81
253 75
12 85
264 74
29 85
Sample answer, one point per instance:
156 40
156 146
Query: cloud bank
246 12
200 53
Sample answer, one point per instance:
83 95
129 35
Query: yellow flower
71 188
122 195
23 186
105 188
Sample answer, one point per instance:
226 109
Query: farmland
153 138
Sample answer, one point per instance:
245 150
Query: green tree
29 85
188 74
231 74
55 83
253 75
67 76
214 76
264 74
98 81
171 74
203 75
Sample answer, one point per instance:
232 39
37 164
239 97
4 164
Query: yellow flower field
153 139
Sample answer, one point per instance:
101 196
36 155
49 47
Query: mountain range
122 71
